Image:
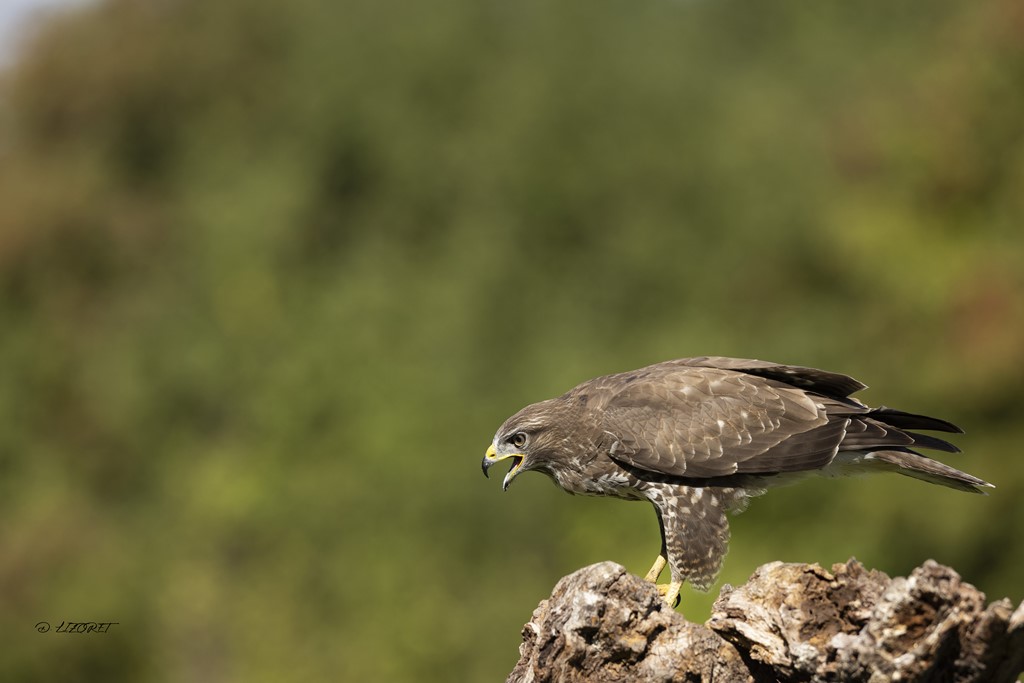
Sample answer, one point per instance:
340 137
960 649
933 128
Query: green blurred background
271 275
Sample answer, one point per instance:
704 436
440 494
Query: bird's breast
615 483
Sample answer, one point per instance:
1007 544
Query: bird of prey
697 437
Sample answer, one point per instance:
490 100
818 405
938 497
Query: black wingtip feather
905 420
935 444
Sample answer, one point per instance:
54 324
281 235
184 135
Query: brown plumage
696 437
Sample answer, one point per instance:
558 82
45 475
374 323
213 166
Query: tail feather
911 464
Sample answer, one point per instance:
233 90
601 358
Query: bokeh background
272 273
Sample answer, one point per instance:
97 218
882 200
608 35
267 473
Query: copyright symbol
43 626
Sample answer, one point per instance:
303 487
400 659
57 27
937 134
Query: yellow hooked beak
492 456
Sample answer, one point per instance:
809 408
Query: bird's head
532 439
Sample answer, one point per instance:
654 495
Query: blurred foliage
272 273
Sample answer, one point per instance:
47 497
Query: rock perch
789 622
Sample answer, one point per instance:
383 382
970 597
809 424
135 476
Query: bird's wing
698 421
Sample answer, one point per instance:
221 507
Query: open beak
492 456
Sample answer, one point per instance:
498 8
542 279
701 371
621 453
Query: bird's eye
518 439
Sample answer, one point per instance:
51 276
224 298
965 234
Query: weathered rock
804 623
602 623
789 622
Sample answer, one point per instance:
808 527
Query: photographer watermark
77 626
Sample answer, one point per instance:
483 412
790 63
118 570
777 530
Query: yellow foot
670 591
655 572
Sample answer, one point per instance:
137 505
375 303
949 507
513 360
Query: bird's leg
670 591
696 536
659 564
655 572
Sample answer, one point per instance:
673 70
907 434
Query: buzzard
697 437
